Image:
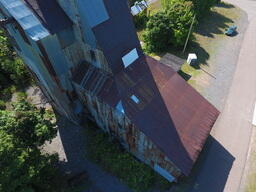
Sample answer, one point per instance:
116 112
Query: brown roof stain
170 112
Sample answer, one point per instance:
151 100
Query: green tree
23 168
12 69
202 7
169 27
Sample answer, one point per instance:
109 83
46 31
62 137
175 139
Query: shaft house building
87 59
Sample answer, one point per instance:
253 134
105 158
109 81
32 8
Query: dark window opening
22 33
93 56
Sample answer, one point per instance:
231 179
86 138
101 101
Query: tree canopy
169 27
12 69
23 168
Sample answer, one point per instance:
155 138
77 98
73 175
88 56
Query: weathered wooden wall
118 125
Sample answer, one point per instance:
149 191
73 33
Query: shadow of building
212 170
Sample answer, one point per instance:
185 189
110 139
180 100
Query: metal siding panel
21 13
95 11
55 54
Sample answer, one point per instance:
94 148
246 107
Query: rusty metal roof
50 14
169 111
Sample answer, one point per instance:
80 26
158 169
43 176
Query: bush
6 94
202 7
21 96
141 20
2 105
114 159
12 69
169 27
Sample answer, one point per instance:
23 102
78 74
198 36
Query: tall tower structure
87 59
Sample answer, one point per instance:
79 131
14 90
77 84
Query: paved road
223 166
238 112
70 145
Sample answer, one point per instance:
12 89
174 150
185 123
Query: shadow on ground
225 5
73 140
193 47
210 172
214 23
184 75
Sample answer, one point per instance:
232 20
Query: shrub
141 20
12 68
6 94
21 96
2 105
202 7
114 159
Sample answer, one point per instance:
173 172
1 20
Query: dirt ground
217 53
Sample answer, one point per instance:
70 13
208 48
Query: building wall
49 68
85 14
52 58
118 125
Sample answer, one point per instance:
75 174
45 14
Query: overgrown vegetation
13 73
23 168
202 7
141 20
114 159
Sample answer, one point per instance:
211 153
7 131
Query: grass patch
155 7
186 68
251 186
115 160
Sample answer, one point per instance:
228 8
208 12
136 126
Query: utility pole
190 29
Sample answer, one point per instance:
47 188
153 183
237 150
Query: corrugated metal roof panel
170 112
25 17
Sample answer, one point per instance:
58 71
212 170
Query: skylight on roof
130 57
135 99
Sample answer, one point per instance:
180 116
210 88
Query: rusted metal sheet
164 113
192 115
136 142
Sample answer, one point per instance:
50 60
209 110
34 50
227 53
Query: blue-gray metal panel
25 18
95 11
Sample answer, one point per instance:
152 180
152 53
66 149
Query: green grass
251 186
115 160
207 38
155 7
